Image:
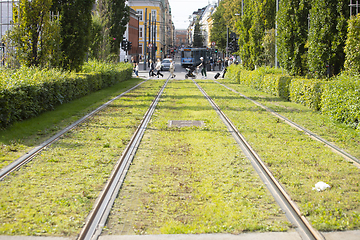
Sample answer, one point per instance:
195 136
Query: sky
182 9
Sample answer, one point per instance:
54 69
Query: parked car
165 64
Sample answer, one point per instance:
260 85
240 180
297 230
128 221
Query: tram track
314 136
283 199
97 218
23 160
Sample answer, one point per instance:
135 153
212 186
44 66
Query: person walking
151 68
158 68
203 67
211 64
220 63
133 63
136 70
172 68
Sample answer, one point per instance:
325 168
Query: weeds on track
296 160
53 194
192 179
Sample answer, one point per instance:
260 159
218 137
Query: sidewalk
292 235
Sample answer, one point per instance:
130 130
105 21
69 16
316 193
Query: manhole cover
185 123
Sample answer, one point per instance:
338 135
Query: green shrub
306 91
234 72
352 48
277 85
341 100
27 92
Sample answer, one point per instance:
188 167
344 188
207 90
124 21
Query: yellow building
154 30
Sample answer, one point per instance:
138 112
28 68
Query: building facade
156 29
132 35
181 39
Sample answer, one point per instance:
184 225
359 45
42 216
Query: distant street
179 71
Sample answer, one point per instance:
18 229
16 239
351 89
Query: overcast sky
182 9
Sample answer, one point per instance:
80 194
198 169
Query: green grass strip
54 193
340 134
23 136
192 179
297 161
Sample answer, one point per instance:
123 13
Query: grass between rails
16 140
297 161
191 180
54 193
343 136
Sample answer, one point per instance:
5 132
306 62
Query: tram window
186 54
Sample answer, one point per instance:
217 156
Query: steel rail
335 148
33 152
291 210
97 218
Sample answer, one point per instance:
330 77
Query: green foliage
217 33
198 37
306 91
256 35
75 32
259 16
277 84
114 15
269 48
327 36
30 91
341 98
97 37
352 48
28 36
292 35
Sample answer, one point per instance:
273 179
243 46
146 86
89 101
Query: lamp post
144 36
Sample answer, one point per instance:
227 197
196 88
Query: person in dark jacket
152 68
203 67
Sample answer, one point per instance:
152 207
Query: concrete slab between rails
245 236
3 237
348 235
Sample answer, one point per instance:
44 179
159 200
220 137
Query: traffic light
124 44
231 47
161 50
236 45
129 46
216 50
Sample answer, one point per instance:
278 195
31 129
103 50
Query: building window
141 31
140 14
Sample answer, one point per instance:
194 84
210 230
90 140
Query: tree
327 35
75 29
269 48
114 16
292 35
198 37
352 47
31 19
217 33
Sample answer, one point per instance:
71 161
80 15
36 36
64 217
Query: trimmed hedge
338 97
306 91
341 100
269 80
27 92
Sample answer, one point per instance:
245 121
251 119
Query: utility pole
149 33
276 60
155 44
227 41
145 45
